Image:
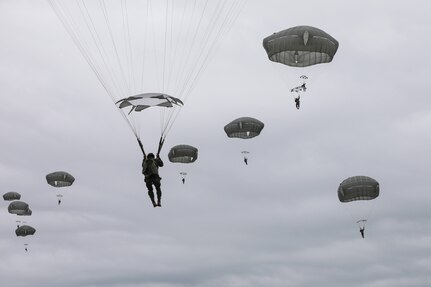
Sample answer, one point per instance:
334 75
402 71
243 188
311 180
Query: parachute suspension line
233 14
191 50
207 49
182 56
69 25
193 74
97 40
175 50
190 68
170 48
81 45
100 49
165 46
126 84
167 43
161 142
141 86
128 40
156 57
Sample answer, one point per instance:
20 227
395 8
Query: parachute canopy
18 207
244 128
358 188
25 230
301 46
146 100
183 154
9 196
60 179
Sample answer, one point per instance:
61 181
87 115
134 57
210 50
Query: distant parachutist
245 153
362 230
297 101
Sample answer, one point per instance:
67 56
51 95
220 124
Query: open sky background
274 223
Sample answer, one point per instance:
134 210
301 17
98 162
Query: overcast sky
274 223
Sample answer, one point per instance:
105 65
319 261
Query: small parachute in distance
18 207
183 154
60 179
300 46
9 196
358 188
244 128
146 100
25 230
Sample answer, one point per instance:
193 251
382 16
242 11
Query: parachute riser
161 142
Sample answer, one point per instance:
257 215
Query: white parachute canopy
136 47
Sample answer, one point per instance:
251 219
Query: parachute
60 179
183 154
25 230
300 46
244 128
9 196
356 191
137 47
358 188
19 208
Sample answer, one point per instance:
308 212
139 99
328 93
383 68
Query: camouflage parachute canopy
146 100
9 196
358 188
244 128
60 179
25 230
18 207
183 154
301 46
